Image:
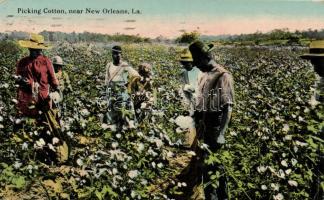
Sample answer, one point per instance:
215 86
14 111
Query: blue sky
167 17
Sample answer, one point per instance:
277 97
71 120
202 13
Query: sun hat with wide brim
35 42
57 60
185 56
316 50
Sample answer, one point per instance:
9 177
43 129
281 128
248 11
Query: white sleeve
107 74
132 72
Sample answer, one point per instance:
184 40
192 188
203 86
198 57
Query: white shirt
119 73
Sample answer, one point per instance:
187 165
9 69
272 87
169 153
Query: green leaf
19 181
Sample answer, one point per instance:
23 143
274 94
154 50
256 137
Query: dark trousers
208 134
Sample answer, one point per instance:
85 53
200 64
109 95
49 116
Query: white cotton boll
179 130
264 187
133 174
114 171
84 112
159 143
104 126
232 133
288 171
184 122
113 127
114 145
131 124
285 128
118 135
143 105
204 146
144 182
24 146
79 162
293 183
293 161
284 163
30 168
140 147
170 154
279 196
274 186
18 121
17 165
1 119
192 153
55 96
140 134
40 143
133 194
300 119
51 147
288 138
302 144
15 101
55 140
5 85
295 149
160 165
153 165
70 134
261 169
281 174
1 126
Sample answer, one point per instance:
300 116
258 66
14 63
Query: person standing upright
118 74
316 57
35 77
212 113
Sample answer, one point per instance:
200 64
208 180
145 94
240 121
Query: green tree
188 37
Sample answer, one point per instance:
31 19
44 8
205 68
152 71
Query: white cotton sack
184 122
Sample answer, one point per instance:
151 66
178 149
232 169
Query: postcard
144 99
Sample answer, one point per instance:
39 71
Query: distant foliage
188 37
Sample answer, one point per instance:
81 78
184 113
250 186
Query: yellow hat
35 42
186 56
316 50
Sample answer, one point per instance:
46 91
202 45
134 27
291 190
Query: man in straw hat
117 77
37 80
190 76
36 77
316 57
212 114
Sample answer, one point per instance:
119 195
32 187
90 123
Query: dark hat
198 47
117 49
316 50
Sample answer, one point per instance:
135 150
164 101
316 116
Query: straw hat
35 42
316 50
57 60
185 56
